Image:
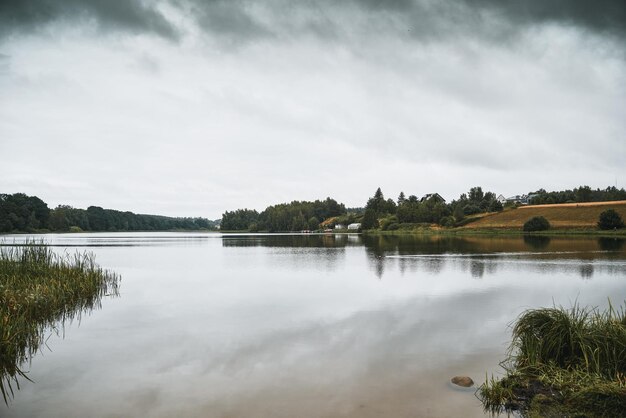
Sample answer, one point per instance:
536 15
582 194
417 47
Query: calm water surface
303 326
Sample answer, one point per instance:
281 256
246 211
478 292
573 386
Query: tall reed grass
583 338
39 291
568 360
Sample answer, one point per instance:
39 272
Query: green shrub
537 223
609 219
386 224
471 209
313 223
496 206
447 221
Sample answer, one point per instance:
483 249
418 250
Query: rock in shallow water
464 381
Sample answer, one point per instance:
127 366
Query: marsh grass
563 362
39 291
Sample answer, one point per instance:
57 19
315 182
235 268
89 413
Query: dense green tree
583 194
401 199
476 195
458 213
298 223
377 203
98 219
293 216
536 223
370 220
495 206
58 221
610 219
239 220
408 212
471 209
431 210
487 201
19 212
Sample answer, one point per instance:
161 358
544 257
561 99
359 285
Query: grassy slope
565 216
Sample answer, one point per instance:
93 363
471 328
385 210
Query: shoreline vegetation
577 211
39 291
581 211
21 213
562 362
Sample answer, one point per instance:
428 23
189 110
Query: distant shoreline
48 232
501 232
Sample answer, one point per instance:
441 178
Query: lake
211 325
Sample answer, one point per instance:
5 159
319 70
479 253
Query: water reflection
477 268
537 242
586 270
301 326
292 240
611 244
479 256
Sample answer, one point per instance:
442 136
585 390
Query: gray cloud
414 19
606 16
443 95
245 20
135 16
232 19
601 15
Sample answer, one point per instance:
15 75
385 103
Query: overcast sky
190 108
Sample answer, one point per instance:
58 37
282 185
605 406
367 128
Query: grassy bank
563 363
497 232
39 290
581 217
564 219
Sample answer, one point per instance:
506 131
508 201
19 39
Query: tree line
284 217
388 214
577 195
22 213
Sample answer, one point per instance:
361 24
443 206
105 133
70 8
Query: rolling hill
563 216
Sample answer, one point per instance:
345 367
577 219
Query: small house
354 226
521 199
436 196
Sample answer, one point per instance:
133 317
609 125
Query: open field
564 216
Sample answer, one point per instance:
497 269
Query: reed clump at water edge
563 362
39 291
